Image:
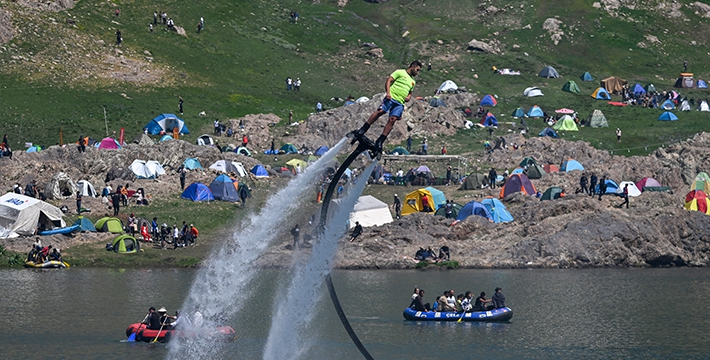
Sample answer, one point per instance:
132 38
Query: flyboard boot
358 134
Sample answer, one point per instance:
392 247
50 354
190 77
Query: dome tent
259 171
60 186
597 119
489 100
566 123
518 113
572 87
535 111
454 211
473 208
611 187
697 200
517 183
222 188
125 244
552 193
632 189
288 148
548 131
601 94
86 189
498 211
192 164
474 181
165 138
548 72
321 151
667 116
447 86
197 192
109 224
165 123
205 140
571 165
586 76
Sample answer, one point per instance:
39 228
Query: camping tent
535 171
109 144
60 186
474 181
321 151
144 140
192 164
517 183
288 148
165 138
702 84
224 166
473 208
552 193
86 188
369 211
548 131
701 182
697 200
668 105
648 182
34 148
399 151
454 211
222 188
23 215
166 123
613 84
413 201
259 171
548 72
650 88
436 101
667 116
362 99
685 80
241 171
601 94
611 187
205 140
533 92
586 76
597 119
703 106
197 192
109 224
146 169
125 244
518 113
632 189
447 86
535 111
528 161
550 168
571 165
498 211
437 196
572 87
296 162
684 106
489 120
489 100
638 89
566 123
243 151
518 170
84 224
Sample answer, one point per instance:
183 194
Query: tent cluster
222 188
697 198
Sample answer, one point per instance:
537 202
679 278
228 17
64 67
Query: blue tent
601 94
548 131
349 102
192 164
288 148
668 105
259 171
437 197
321 150
535 111
702 84
399 151
586 77
638 89
166 123
490 120
611 187
518 171
497 210
488 100
84 224
197 192
519 112
165 137
668 116
222 188
571 165
473 208
34 148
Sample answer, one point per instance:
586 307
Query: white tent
146 169
205 140
447 86
633 190
225 167
240 168
370 211
703 106
362 99
22 215
684 106
86 188
532 92
60 186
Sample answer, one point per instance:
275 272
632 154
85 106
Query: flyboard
364 144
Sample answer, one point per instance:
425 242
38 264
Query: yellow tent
295 162
413 201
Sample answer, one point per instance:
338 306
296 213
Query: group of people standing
293 84
461 303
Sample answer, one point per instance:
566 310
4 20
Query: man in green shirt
398 90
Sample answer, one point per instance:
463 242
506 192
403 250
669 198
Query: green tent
572 87
288 148
109 224
474 181
125 244
399 151
566 123
535 171
454 212
243 151
528 161
552 193
597 119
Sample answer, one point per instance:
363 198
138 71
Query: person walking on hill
116 201
492 178
397 206
618 135
119 39
180 104
183 175
409 143
398 90
583 184
78 202
593 184
602 187
625 195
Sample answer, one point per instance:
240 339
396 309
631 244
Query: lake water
581 314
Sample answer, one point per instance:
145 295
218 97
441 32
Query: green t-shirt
402 85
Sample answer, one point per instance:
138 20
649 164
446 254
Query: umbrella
565 111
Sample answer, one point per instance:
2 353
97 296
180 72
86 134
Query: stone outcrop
7 32
481 46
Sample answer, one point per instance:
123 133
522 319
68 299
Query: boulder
476 45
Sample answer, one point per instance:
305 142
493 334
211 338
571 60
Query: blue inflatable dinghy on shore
501 314
63 230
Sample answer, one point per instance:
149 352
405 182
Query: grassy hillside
61 76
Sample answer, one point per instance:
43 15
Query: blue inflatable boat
63 230
501 314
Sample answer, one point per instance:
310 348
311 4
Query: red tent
550 168
516 183
647 182
109 144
